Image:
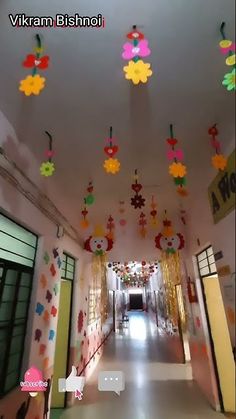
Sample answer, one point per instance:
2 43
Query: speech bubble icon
71 383
111 381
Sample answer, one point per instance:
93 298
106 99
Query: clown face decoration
169 244
98 245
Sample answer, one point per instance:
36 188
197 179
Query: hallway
156 388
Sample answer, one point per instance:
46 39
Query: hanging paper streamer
122 220
153 213
142 225
33 84
98 243
219 161
167 240
176 169
48 168
137 70
137 201
227 47
110 228
111 165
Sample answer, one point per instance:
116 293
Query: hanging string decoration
219 161
48 168
98 243
110 228
227 47
137 201
89 199
177 169
84 223
153 213
167 240
183 216
137 70
122 220
142 225
33 84
111 165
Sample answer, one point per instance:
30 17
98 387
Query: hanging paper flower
32 85
131 51
47 168
230 60
135 35
138 201
111 166
226 46
219 161
33 61
229 80
177 170
137 72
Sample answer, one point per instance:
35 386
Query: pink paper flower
178 154
140 50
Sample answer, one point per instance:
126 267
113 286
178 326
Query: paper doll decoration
98 243
137 70
48 168
137 201
33 84
168 241
111 165
176 169
219 161
227 48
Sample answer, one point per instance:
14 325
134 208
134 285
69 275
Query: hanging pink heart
111 150
136 187
49 153
172 154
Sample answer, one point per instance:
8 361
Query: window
68 267
206 262
17 255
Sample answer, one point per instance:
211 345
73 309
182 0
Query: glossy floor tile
156 386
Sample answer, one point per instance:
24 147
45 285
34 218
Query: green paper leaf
180 181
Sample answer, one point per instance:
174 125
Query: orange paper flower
219 161
111 166
177 170
32 85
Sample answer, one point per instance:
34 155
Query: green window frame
68 267
206 262
16 280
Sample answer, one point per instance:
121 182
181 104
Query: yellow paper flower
137 71
219 161
32 85
47 168
177 170
111 165
231 60
225 43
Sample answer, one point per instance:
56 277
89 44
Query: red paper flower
80 321
138 201
134 34
33 61
172 141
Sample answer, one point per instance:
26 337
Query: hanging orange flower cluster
177 169
111 165
34 83
142 225
219 161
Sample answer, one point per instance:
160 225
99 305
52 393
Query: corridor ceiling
86 92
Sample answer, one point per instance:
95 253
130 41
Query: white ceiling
86 93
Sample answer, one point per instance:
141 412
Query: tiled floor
156 387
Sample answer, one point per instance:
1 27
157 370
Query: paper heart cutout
136 187
172 141
111 150
90 189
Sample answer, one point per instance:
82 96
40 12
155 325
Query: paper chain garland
176 168
34 83
137 201
111 165
136 70
227 47
219 161
48 168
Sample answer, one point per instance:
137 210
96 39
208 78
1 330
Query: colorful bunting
33 84
137 70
